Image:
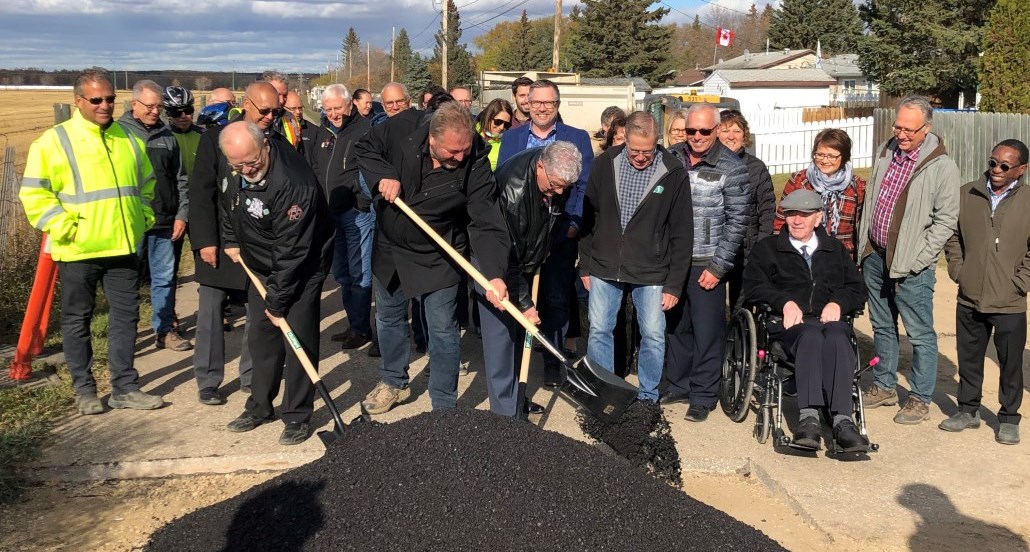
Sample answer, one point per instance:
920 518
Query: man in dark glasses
987 256
722 190
88 185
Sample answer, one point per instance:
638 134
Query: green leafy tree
921 47
401 54
801 24
1006 48
460 69
616 38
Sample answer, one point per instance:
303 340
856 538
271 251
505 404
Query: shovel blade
600 391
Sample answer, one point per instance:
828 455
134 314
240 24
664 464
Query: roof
640 84
778 78
843 65
689 77
760 60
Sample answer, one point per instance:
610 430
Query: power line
424 29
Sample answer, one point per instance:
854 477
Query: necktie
806 255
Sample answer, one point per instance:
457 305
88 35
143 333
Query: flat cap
805 201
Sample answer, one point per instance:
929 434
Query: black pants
695 341
120 279
209 341
557 280
824 362
270 351
973 333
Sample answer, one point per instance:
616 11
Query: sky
244 35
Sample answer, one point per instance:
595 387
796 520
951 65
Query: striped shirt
895 180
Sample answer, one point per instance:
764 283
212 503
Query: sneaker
1008 434
874 396
914 412
173 341
960 421
89 405
354 340
383 398
210 397
463 369
136 400
245 422
295 433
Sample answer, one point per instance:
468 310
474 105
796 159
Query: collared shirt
811 244
535 142
996 198
895 180
633 183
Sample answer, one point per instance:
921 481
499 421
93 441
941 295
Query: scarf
831 188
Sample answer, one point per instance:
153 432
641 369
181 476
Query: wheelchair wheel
739 366
763 424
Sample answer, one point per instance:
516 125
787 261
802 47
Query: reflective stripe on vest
49 214
81 196
66 144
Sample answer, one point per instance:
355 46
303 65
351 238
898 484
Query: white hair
336 91
562 159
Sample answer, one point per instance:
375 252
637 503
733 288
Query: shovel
327 437
601 392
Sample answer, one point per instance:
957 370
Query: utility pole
443 72
393 51
557 34
368 65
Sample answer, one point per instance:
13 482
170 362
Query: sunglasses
264 111
99 100
1005 167
177 112
701 131
502 122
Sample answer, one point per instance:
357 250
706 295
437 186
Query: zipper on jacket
118 189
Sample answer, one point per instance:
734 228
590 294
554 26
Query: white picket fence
787 147
771 119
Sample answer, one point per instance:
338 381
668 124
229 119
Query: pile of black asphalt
642 436
460 480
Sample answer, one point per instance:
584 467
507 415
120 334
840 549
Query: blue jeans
605 299
444 341
352 266
161 257
912 298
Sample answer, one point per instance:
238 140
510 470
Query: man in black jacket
443 174
334 160
637 238
278 223
809 277
530 184
217 275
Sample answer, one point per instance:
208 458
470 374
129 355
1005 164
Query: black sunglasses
176 111
99 100
502 122
701 131
1005 167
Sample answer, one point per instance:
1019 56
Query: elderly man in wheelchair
808 286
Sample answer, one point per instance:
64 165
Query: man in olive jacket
989 257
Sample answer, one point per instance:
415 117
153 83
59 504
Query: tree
202 83
926 48
401 54
351 49
1006 48
802 24
460 70
417 76
522 45
616 38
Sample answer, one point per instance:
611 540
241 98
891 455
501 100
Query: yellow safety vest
88 188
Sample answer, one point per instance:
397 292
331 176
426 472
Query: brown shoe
173 341
914 412
874 396
383 398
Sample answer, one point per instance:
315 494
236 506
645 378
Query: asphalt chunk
643 436
460 480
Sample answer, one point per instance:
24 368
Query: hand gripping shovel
601 392
327 437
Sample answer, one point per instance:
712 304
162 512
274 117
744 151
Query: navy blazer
517 139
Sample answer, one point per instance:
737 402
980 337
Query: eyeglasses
908 131
551 185
180 111
253 163
641 153
1005 167
264 111
396 103
295 109
825 156
99 100
502 122
543 103
150 107
679 131
701 131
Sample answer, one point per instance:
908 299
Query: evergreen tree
802 24
416 77
460 70
522 39
351 49
401 54
1006 47
617 38
920 47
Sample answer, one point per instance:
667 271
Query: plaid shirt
850 210
632 185
899 172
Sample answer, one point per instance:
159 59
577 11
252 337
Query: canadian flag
723 37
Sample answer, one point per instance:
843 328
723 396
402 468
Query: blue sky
244 35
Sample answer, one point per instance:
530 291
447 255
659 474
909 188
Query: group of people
679 222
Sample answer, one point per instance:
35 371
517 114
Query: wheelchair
755 369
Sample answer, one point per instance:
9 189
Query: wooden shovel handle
528 345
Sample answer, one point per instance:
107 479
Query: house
779 59
760 89
851 84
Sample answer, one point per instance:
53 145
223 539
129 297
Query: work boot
173 341
914 412
874 396
383 398
136 400
295 433
89 405
1008 434
960 421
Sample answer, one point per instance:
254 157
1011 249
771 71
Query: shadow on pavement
942 527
